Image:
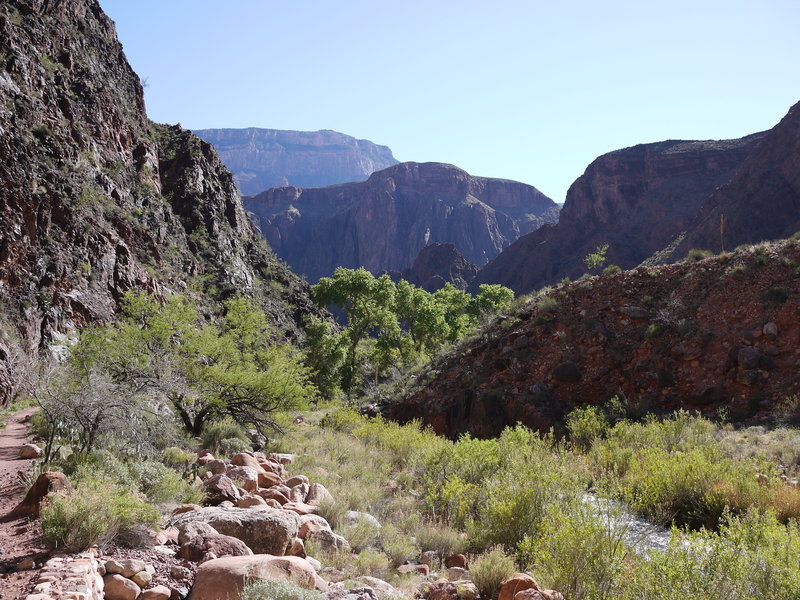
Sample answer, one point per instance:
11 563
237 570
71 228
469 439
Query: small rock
296 480
456 573
30 451
466 590
218 544
314 563
748 357
250 501
635 312
421 569
217 467
26 564
179 572
770 330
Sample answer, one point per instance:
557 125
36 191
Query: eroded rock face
760 202
384 222
266 158
96 200
438 264
705 336
636 200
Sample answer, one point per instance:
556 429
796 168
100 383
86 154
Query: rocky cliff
96 200
722 333
436 265
265 158
384 222
636 200
760 202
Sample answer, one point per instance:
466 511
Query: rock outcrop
96 200
760 202
265 158
636 200
719 333
383 223
436 265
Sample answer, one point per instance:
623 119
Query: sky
530 90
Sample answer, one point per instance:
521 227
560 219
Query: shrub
442 539
276 590
333 512
372 563
163 485
95 513
696 254
223 436
612 270
581 551
362 534
776 295
584 425
489 571
398 546
177 458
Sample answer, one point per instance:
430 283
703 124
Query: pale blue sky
525 90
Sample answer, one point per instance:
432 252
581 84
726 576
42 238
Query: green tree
454 302
491 299
204 370
367 302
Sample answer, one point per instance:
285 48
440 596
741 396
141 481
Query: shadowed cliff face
96 200
719 333
760 202
265 158
384 222
636 200
436 265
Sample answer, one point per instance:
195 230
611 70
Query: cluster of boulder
131 579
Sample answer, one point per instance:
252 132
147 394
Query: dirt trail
19 538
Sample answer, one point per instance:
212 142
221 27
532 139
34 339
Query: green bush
489 571
177 458
276 590
398 546
163 485
584 425
372 563
442 539
95 513
580 552
224 436
696 254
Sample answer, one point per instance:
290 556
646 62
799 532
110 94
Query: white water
641 535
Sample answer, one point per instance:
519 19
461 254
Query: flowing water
641 535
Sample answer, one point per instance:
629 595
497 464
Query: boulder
310 524
186 508
264 530
339 592
117 587
440 590
246 476
273 494
250 501
455 573
127 568
245 459
216 543
383 589
317 494
217 467
297 548
225 577
329 541
142 579
188 530
353 517
517 583
47 483
456 560
271 466
301 508
220 488
284 459
466 590
268 479
30 451
160 592
299 492
296 480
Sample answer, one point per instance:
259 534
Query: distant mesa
383 223
265 158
